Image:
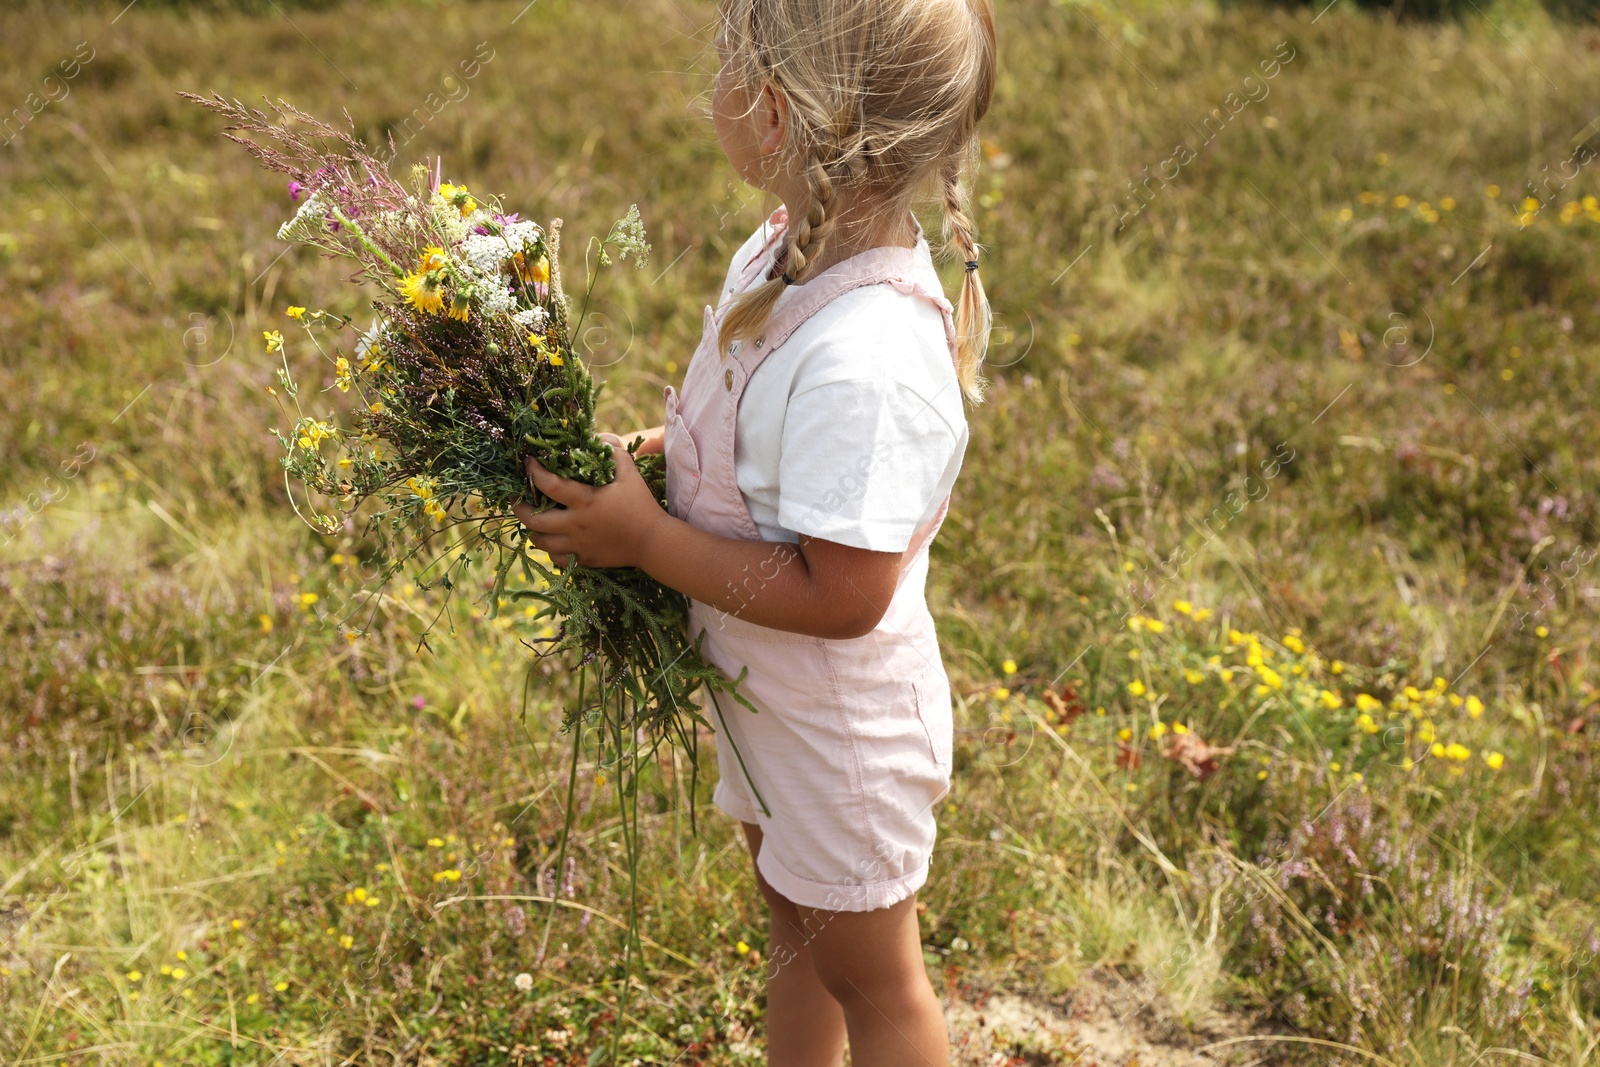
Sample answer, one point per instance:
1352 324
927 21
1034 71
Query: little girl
810 457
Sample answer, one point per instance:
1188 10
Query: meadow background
1290 450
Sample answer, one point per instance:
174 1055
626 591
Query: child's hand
606 526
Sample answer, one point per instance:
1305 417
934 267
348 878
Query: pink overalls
851 748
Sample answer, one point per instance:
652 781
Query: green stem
566 830
361 235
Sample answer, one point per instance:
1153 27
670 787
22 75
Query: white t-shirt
853 429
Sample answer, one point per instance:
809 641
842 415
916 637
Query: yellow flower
252 998
1157 730
1541 632
376 407
1401 201
1474 707
1124 734
1179 728
1366 702
1493 191
1293 643
742 948
1437 749
1201 614
182 955
346 941
295 312
1001 692
1448 203
134 976
1270 677
236 924
1136 687
1335 766
1261 775
266 623
1193 677
1458 752
1531 204
1425 732
1225 674
1330 699
450 875
179 972
459 306
341 369
1494 759
424 291
1182 607
1337 666
274 340
1368 724
1009 667
308 599
1235 637
281 986
434 842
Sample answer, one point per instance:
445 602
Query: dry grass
190 743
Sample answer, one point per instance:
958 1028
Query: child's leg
805 1025
871 961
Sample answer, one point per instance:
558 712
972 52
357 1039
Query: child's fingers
549 521
561 490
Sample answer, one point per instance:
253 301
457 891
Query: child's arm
819 588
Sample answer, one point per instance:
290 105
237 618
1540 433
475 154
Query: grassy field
1290 450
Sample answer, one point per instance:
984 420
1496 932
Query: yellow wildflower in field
1293 643
451 874
274 340
266 623
435 842
1261 775
342 377
295 312
1367 702
1001 692
1458 752
1368 724
1182 607
1179 728
1124 734
281 986
1157 730
252 998
1425 732
134 976
179 973
346 941
1495 760
1192 676
1330 700
236 924
1474 707
1448 203
1493 191
308 599
457 197
1225 674
1401 200
1269 677
1541 632
1345 214
1336 767
1437 749
1201 614
1009 667
1136 687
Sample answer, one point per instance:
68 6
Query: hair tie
972 265
786 279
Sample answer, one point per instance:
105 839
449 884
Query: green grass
190 743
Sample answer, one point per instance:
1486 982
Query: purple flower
294 190
419 702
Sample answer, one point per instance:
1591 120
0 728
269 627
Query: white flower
535 319
485 252
522 235
524 982
493 296
307 221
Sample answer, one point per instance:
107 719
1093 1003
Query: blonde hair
884 99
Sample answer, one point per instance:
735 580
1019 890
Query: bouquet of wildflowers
468 367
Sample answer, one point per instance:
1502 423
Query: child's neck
860 229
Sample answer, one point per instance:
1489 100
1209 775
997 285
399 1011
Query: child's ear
773 114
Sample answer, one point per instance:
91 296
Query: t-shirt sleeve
863 462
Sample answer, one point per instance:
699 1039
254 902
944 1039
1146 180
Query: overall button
727 378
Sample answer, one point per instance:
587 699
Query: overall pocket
682 460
